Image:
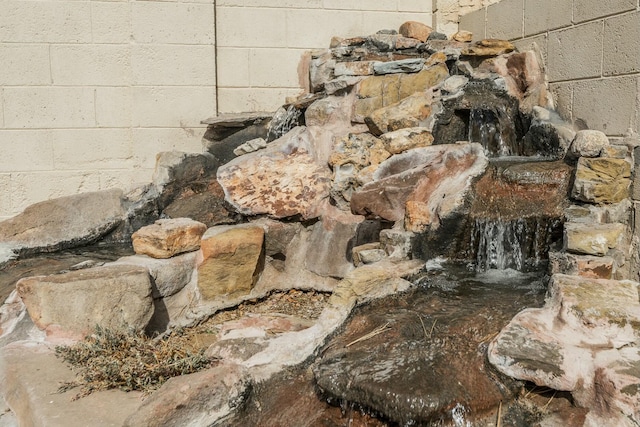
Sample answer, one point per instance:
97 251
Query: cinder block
92 149
26 150
5 197
182 23
584 10
45 21
475 22
415 6
111 22
274 67
252 27
240 100
233 67
113 106
230 3
574 53
309 29
530 43
32 187
147 142
374 21
173 65
125 179
622 44
545 15
1 107
179 106
49 107
563 97
24 64
90 65
505 20
364 5
300 4
608 105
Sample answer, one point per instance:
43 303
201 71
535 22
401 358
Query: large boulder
230 260
64 222
168 237
283 180
433 181
72 304
601 180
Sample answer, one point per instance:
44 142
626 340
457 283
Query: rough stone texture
354 68
436 178
168 237
30 376
593 267
583 341
409 65
277 235
396 243
415 30
601 180
462 36
412 111
589 143
169 275
489 47
72 304
195 399
321 70
65 222
592 239
405 139
230 260
283 180
376 92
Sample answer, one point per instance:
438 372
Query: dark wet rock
202 398
72 304
203 201
222 143
62 223
418 358
435 35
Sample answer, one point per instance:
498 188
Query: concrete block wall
591 50
260 42
91 90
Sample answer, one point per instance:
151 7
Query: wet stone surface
420 357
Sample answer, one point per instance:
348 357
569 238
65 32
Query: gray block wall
591 50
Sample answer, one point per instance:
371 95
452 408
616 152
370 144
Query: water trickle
285 119
494 130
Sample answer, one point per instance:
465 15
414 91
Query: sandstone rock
411 112
231 260
436 58
489 47
410 65
236 350
250 146
454 83
437 177
281 181
168 237
321 70
601 180
376 92
405 139
356 251
356 68
72 304
341 83
592 239
396 243
592 267
331 242
278 235
589 143
201 398
65 222
462 36
615 152
406 43
169 275
415 30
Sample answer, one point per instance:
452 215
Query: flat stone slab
236 120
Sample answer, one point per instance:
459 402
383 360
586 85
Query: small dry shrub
129 361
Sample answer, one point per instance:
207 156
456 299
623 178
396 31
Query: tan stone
589 143
462 36
405 139
361 150
406 43
415 30
354 68
589 266
592 239
376 92
72 304
356 251
436 58
231 260
411 112
489 47
168 237
601 180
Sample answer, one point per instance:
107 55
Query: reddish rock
415 30
282 180
168 237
